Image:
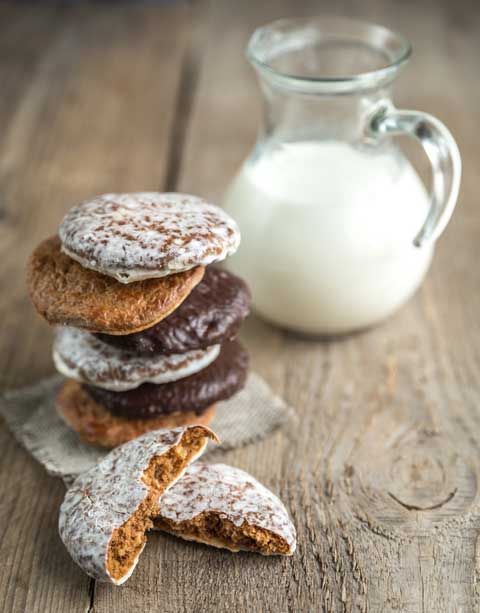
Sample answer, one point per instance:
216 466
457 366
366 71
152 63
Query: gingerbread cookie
64 292
140 236
219 381
81 356
107 511
211 314
225 507
98 426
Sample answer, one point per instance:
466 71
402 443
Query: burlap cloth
30 414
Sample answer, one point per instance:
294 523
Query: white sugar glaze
102 499
143 235
81 356
232 494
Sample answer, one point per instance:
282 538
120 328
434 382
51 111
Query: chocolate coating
223 378
211 314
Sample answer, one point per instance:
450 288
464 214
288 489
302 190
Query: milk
327 234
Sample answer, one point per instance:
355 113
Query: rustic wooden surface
380 472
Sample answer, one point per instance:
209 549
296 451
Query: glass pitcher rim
330 84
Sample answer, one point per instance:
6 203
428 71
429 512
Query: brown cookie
211 314
97 426
226 507
220 380
65 293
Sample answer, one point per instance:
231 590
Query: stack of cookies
145 331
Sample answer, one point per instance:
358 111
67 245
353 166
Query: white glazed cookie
104 515
143 235
226 507
82 356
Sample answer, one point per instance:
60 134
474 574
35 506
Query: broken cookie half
225 507
107 511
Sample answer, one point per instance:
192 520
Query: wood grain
93 109
380 471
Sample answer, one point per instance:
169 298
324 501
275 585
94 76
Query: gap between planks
189 71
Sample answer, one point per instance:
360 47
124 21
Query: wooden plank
380 472
28 533
25 35
93 113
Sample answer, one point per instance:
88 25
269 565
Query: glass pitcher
337 227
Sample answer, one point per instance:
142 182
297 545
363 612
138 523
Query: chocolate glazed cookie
211 314
223 378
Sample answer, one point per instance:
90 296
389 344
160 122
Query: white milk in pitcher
327 234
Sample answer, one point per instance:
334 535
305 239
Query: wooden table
380 472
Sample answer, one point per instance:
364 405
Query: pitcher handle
442 151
